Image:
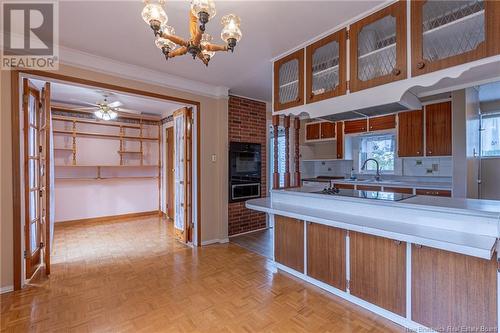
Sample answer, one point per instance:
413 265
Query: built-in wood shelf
129 152
104 178
103 135
106 166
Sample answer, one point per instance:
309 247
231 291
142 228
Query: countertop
397 183
490 208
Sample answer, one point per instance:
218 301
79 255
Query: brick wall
247 123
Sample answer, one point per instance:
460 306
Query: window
281 158
380 148
490 135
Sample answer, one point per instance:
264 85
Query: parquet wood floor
132 276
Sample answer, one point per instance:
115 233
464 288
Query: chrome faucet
377 176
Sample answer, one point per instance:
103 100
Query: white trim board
6 289
215 241
93 62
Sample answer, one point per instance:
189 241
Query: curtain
179 170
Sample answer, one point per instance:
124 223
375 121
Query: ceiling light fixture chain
199 45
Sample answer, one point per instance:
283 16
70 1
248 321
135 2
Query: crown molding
80 59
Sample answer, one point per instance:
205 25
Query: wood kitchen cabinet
355 126
340 140
312 131
289 242
452 290
324 130
326 67
326 254
378 48
344 186
404 190
437 193
411 134
378 271
438 129
289 81
327 130
450 33
368 188
382 123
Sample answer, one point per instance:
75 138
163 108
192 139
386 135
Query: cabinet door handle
418 152
396 71
420 65
397 242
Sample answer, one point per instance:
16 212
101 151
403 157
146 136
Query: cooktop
375 195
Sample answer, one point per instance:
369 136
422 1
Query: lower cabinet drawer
439 193
368 188
378 271
453 290
344 186
289 242
326 254
404 190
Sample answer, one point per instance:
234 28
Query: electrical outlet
214 158
428 170
418 162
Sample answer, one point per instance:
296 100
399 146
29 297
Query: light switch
214 158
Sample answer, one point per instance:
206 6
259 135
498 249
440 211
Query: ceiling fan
105 110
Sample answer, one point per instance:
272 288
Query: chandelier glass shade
154 14
199 45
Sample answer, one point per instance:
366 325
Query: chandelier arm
215 47
176 39
194 30
177 52
202 58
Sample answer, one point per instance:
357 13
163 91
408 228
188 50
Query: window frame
393 136
482 131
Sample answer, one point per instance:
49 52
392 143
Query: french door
183 219
36 109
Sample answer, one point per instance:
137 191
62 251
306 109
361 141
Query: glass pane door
325 68
451 28
377 49
289 81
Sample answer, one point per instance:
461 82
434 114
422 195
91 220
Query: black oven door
244 161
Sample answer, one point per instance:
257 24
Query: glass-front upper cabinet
447 33
289 81
378 48
326 67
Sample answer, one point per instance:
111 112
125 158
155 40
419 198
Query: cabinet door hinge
40 192
40 149
42 245
25 254
347 34
348 85
348 284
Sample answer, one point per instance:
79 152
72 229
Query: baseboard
249 232
6 289
215 241
111 217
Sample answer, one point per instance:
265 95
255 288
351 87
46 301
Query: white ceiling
115 30
62 93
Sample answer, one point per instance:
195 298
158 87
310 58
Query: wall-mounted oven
245 162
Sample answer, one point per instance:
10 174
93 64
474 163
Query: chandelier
199 44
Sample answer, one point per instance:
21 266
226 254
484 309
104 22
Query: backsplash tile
441 167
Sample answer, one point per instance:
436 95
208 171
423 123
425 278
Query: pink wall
81 199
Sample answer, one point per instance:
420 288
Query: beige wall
213 174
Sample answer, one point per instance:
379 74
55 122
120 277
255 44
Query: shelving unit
132 160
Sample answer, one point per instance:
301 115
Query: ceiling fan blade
115 104
83 103
86 108
127 111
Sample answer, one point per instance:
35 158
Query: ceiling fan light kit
199 45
